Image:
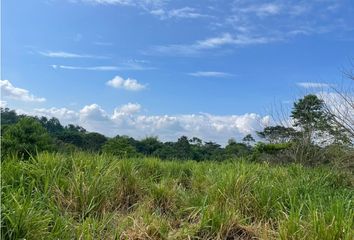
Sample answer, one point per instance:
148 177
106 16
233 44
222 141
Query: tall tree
310 116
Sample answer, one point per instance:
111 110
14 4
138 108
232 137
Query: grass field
87 196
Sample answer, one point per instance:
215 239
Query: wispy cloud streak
61 54
198 47
209 74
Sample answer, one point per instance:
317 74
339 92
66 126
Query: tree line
311 136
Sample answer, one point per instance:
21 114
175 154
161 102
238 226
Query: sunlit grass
86 196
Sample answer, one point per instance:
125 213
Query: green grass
87 196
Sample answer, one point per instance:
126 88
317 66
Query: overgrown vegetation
89 196
63 182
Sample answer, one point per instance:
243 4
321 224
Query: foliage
94 141
25 138
235 150
271 148
9 116
52 125
148 146
248 139
120 146
309 115
278 134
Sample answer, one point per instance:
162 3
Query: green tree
213 151
149 145
75 138
234 149
94 141
52 125
120 146
167 151
9 116
26 138
277 134
183 148
248 139
310 116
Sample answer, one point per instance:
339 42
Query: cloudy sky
208 68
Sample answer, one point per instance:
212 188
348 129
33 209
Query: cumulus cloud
10 91
209 74
127 84
65 115
129 108
93 112
127 120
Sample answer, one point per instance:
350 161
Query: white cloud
159 12
209 74
224 39
141 3
94 68
127 65
185 12
286 19
209 43
154 7
61 54
127 120
144 5
227 38
10 91
261 9
313 85
127 84
65 115
129 108
92 112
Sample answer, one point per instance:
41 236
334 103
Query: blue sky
156 67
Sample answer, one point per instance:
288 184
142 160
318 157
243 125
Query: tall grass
85 196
